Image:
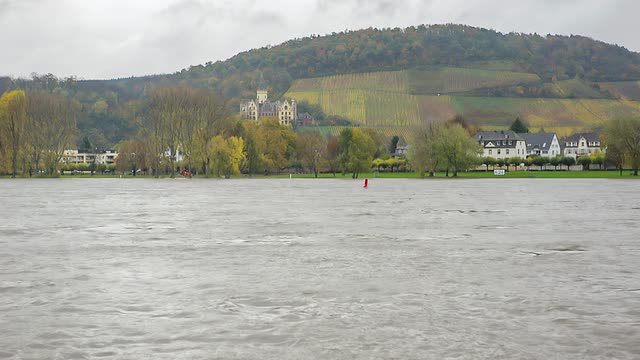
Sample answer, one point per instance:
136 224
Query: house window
498 151
509 142
489 151
507 151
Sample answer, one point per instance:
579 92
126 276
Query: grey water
319 269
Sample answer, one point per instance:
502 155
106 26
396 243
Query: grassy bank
595 174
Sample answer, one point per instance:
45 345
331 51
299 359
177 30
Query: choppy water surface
295 269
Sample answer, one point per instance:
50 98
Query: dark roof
540 141
496 135
498 139
305 115
588 136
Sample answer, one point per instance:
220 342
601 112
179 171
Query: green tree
360 150
568 161
555 161
423 152
540 161
597 159
514 161
394 144
488 161
344 140
518 126
458 149
585 161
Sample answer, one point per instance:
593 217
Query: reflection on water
192 269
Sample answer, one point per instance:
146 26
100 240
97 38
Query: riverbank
591 174
595 174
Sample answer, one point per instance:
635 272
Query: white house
99 157
542 144
502 144
582 144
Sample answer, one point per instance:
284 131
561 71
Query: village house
88 157
582 144
541 144
305 119
401 148
502 144
286 111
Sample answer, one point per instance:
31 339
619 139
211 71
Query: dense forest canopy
552 57
105 104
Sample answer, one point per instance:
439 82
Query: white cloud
118 38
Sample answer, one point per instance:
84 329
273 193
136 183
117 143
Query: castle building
286 111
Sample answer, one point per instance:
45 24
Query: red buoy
366 183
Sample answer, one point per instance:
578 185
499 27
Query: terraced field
456 80
629 90
574 88
393 100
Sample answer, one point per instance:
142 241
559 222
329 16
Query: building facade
542 144
84 157
501 144
582 144
286 111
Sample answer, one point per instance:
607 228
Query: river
319 269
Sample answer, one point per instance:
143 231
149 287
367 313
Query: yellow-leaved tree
13 118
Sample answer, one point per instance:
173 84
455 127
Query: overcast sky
99 39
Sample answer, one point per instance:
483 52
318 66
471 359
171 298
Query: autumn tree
333 155
614 157
204 121
623 133
132 155
13 121
51 128
311 150
275 142
226 155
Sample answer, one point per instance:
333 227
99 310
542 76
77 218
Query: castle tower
262 91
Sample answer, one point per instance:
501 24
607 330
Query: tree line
193 130
35 129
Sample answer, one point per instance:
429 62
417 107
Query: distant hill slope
404 98
551 58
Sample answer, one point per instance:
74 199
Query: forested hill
551 57
437 58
